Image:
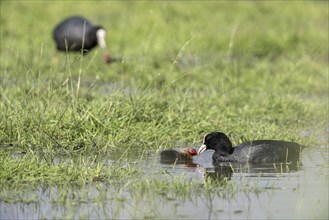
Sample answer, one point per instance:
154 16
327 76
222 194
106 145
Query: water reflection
218 173
225 170
250 191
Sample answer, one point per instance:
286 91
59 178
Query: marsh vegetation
81 139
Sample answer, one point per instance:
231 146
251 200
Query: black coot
78 34
263 151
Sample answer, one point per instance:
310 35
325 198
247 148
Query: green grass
254 70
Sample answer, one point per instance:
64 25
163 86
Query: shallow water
274 192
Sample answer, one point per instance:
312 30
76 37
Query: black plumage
262 151
76 33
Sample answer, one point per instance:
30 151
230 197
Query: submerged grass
254 70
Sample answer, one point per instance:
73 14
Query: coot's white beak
101 38
202 148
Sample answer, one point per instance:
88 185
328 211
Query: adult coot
78 34
172 156
265 151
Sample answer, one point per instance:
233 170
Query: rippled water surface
276 192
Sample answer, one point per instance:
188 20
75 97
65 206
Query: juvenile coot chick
263 151
172 156
78 34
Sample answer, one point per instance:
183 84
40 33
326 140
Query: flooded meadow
200 191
